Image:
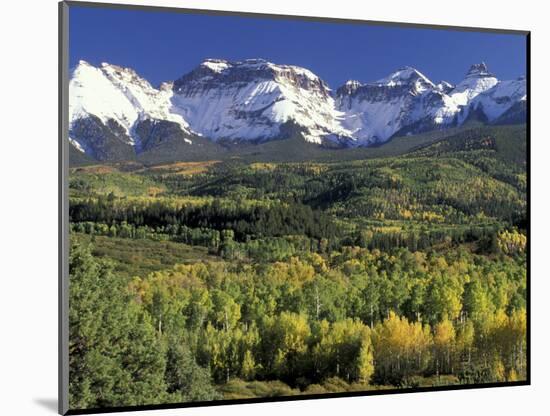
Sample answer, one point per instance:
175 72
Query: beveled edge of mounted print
263 208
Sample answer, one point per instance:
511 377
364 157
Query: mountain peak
403 75
215 72
409 77
477 80
479 70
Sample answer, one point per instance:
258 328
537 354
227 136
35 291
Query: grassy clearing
141 257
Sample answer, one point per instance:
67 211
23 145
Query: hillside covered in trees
234 278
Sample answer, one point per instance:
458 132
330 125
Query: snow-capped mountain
375 111
408 102
118 98
251 100
478 79
114 112
498 100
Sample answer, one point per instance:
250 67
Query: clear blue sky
162 46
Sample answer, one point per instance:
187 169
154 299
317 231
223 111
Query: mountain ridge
256 101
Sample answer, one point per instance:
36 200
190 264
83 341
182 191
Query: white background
28 204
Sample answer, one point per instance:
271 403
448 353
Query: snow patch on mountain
445 86
215 65
77 145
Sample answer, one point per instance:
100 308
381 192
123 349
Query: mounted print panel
263 208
